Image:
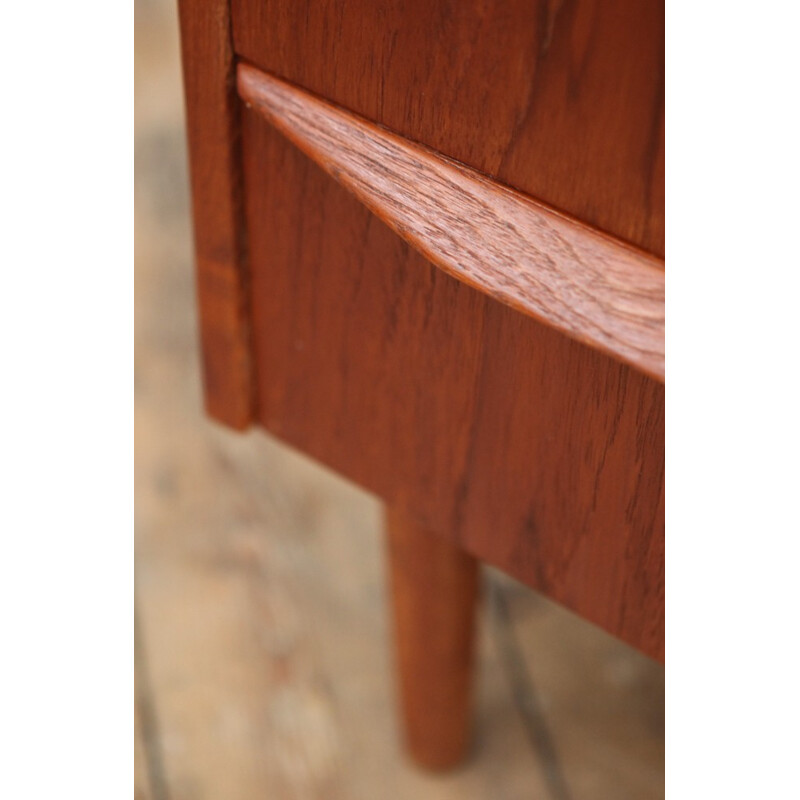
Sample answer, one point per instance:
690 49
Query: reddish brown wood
532 451
212 122
472 419
562 100
593 288
434 590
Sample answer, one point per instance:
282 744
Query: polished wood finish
212 124
443 317
562 100
532 451
587 285
434 590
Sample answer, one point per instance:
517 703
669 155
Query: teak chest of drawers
429 241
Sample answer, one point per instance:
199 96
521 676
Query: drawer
564 101
401 274
532 451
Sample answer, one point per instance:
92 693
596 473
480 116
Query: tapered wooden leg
434 590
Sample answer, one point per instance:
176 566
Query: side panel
212 121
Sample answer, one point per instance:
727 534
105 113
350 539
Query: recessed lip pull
590 286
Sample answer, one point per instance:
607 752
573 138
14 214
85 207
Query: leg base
434 591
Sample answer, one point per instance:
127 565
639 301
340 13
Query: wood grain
434 591
562 100
259 599
212 124
594 289
534 452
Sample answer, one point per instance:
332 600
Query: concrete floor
263 656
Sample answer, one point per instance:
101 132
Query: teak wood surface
212 125
532 451
587 285
562 100
434 587
529 450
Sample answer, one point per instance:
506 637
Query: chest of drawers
429 242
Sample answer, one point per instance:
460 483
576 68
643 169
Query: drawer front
563 101
534 452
